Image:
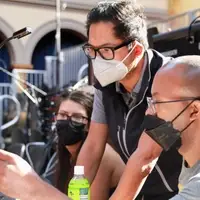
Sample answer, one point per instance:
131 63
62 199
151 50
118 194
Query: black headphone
130 46
191 37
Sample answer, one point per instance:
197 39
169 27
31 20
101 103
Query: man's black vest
125 130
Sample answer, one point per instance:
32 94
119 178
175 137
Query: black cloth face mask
163 132
70 132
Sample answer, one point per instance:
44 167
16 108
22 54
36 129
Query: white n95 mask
110 71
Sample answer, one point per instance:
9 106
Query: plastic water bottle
79 187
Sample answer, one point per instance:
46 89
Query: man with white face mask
124 68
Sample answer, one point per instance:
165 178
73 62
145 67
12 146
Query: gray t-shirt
98 112
189 183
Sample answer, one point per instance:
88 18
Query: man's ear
195 111
139 49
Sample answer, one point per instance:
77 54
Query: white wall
41 18
19 15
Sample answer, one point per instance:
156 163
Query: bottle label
79 194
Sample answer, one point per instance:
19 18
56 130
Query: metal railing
6 105
14 120
175 22
35 77
6 88
73 68
75 64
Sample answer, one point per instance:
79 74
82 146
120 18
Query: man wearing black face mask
173 119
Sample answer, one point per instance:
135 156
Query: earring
130 46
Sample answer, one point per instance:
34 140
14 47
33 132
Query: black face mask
70 132
163 132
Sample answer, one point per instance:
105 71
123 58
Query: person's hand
16 176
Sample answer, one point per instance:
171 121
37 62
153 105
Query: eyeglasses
107 53
75 117
151 103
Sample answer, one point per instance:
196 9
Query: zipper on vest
126 120
124 131
120 143
123 139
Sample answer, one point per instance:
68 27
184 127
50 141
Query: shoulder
156 58
191 190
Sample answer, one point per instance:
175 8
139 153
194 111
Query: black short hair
127 16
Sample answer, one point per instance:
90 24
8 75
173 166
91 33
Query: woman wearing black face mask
72 122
